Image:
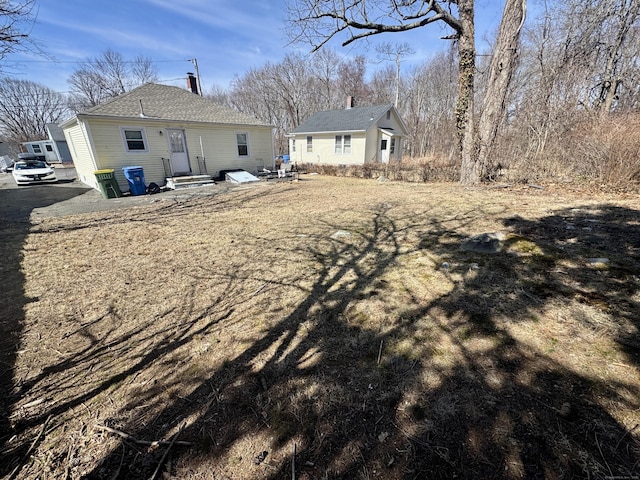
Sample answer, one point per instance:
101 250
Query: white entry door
384 149
178 149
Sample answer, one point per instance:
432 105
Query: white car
33 171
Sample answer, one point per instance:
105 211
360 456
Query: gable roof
163 102
55 132
344 120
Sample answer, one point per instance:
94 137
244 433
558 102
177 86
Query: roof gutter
165 120
327 132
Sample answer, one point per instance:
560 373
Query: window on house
383 144
134 139
388 114
343 144
49 148
392 147
347 144
309 144
36 149
242 139
293 146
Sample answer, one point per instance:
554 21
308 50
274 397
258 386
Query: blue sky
226 37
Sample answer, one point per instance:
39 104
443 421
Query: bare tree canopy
386 51
317 22
26 107
107 76
16 19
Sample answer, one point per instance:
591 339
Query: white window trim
144 139
309 144
344 144
238 145
340 144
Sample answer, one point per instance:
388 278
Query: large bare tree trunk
501 69
628 13
469 173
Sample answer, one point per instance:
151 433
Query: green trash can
107 183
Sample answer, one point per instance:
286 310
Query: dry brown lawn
332 317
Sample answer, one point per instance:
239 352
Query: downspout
273 150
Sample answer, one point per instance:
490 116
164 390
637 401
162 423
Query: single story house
168 131
350 136
55 149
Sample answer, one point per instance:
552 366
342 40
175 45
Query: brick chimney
349 102
192 83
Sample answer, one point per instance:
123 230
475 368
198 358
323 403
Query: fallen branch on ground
164 457
31 448
142 442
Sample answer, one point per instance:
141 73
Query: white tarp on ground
240 177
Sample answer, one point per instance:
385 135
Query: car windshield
30 165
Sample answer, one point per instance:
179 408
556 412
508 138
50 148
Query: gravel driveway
69 197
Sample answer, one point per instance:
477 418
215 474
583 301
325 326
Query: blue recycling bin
135 178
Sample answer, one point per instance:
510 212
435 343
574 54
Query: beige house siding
221 150
392 124
218 144
111 152
77 138
324 149
371 153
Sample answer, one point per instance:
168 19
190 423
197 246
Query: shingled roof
345 120
164 102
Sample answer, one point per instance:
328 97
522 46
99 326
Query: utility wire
93 61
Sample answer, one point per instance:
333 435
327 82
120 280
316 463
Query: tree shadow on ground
443 386
15 224
454 393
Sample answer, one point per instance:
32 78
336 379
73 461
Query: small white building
53 150
351 136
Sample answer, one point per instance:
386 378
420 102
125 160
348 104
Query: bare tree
108 76
383 85
428 108
578 63
143 71
26 107
613 21
395 53
501 69
318 22
352 81
325 68
286 93
219 95
16 19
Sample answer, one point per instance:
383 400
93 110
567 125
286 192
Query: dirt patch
337 318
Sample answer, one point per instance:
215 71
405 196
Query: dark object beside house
222 176
153 188
30 156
